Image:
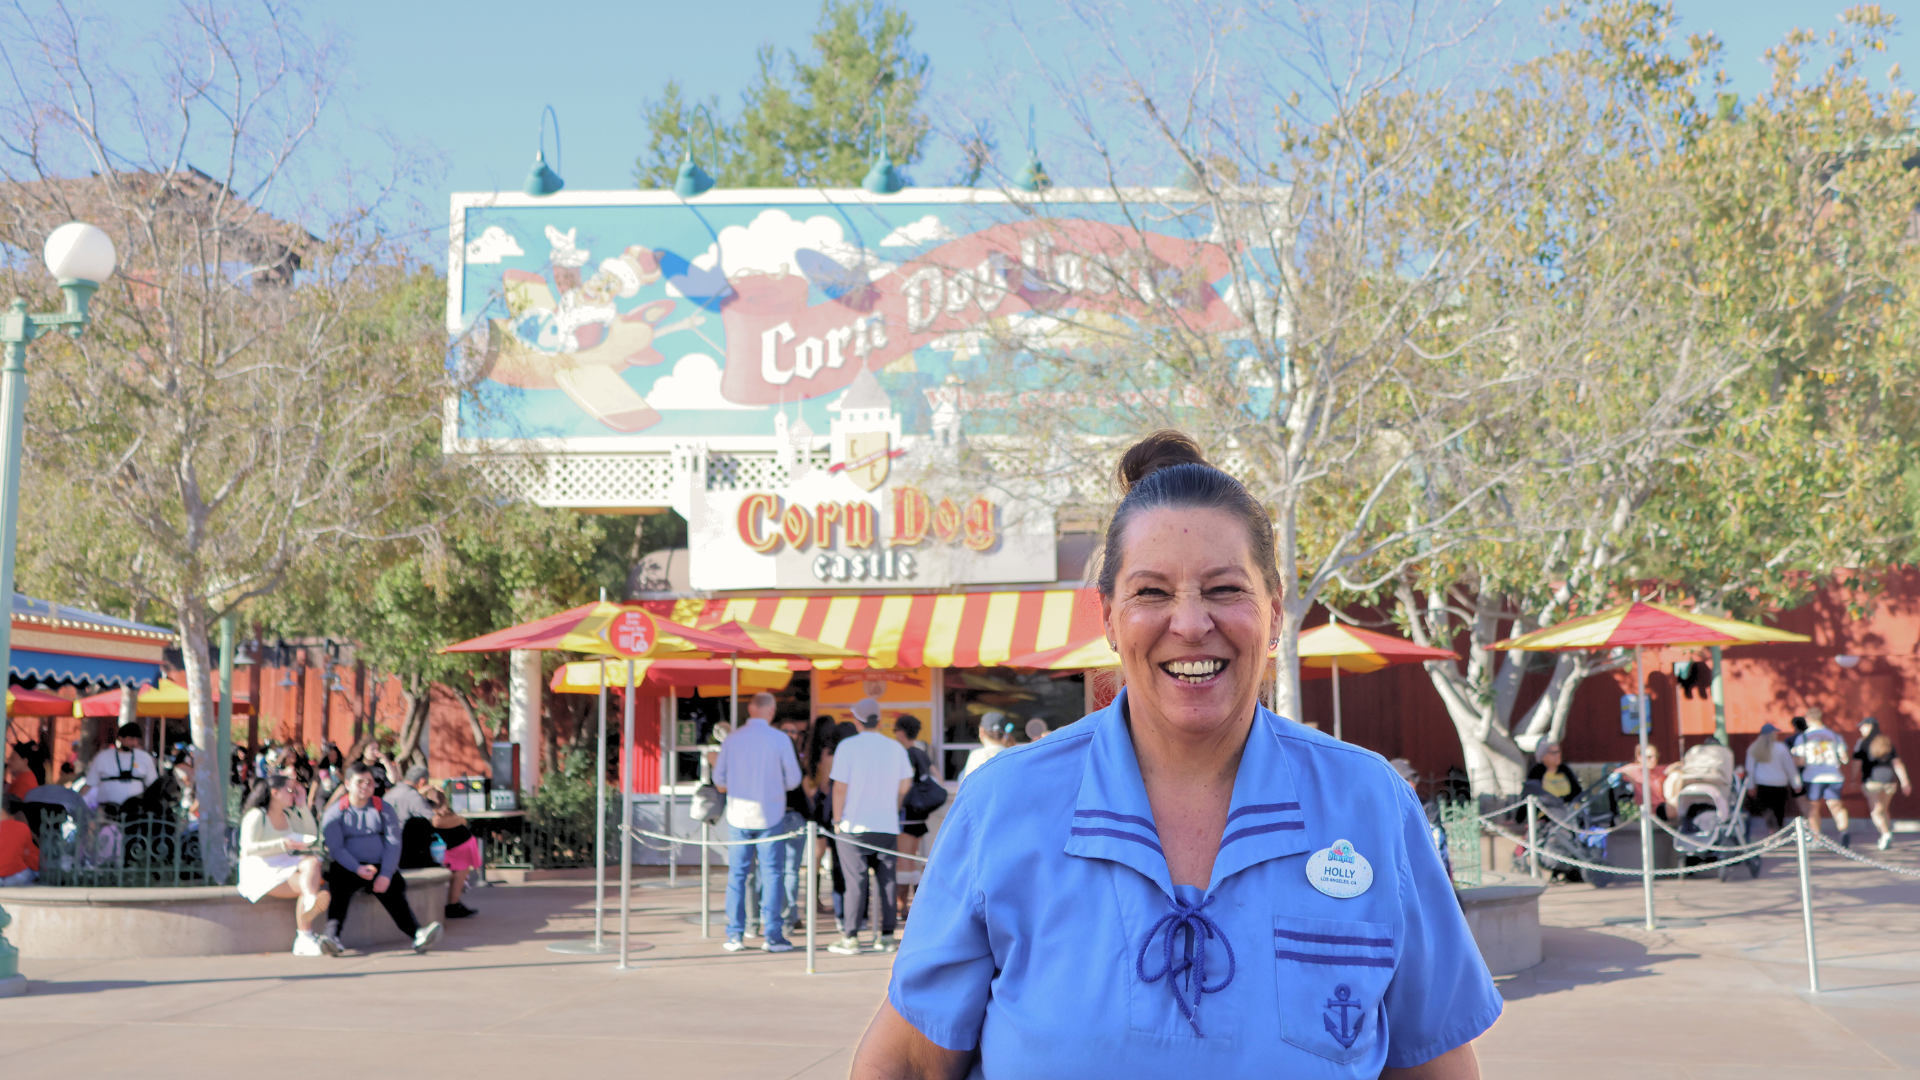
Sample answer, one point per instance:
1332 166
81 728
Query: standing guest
1822 755
1649 776
799 812
276 845
416 818
993 728
1555 778
1881 771
827 734
907 730
1183 883
871 777
122 773
1774 775
363 839
756 768
463 851
19 855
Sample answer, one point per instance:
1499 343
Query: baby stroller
1708 810
1591 814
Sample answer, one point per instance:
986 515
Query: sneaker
846 946
305 944
734 944
457 910
884 943
1886 840
424 940
777 946
330 944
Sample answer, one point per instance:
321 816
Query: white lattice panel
586 480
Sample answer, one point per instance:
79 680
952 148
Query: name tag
1339 871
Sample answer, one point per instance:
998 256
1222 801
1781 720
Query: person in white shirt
122 773
755 770
871 777
1773 773
1823 758
993 731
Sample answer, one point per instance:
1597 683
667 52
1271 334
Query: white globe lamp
77 251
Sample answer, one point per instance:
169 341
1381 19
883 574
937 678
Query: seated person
463 850
1555 778
124 776
19 855
1647 771
276 844
416 818
363 841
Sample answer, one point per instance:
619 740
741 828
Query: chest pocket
1331 975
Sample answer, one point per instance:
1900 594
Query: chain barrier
1585 830
839 838
1822 841
682 841
1702 844
1779 839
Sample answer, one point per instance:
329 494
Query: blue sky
465 82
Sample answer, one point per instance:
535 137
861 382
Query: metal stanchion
672 769
813 885
706 887
1533 838
1806 902
626 819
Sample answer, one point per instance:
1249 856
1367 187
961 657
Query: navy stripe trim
1265 808
1111 816
1333 961
1256 830
1079 831
1335 939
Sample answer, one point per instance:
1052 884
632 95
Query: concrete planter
1505 920
74 924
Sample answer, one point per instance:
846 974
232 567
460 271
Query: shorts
1882 787
914 828
1824 791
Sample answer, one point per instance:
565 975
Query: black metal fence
115 853
534 842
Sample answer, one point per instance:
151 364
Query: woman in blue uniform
1184 883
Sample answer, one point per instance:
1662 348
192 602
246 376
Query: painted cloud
928 230
694 384
491 246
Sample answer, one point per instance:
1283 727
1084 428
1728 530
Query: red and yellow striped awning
979 629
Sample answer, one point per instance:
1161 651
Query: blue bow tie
1187 974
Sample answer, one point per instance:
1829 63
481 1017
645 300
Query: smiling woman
1100 903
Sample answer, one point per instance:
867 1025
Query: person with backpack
923 798
363 841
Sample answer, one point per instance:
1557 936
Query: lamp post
79 257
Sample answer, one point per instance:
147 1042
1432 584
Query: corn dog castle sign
794 371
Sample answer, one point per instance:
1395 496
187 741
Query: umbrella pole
670 725
626 822
600 821
1646 787
1336 700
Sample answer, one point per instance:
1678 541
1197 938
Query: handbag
926 795
707 804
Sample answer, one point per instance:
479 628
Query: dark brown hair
1166 470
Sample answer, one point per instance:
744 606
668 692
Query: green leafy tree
810 121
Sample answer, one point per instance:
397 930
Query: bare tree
265 370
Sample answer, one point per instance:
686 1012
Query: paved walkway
1723 1000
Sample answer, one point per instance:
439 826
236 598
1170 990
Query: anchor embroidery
1342 1000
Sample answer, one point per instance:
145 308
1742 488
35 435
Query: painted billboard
638 320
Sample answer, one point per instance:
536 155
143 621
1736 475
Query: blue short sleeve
944 972
1441 995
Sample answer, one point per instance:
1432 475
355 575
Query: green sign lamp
542 181
693 179
1033 178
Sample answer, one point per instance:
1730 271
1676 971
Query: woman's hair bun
1157 451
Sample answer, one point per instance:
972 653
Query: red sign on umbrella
632 633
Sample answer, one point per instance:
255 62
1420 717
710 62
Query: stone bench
73 924
1505 920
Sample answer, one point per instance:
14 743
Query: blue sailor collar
1112 819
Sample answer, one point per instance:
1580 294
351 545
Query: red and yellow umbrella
167 701
24 702
1328 650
